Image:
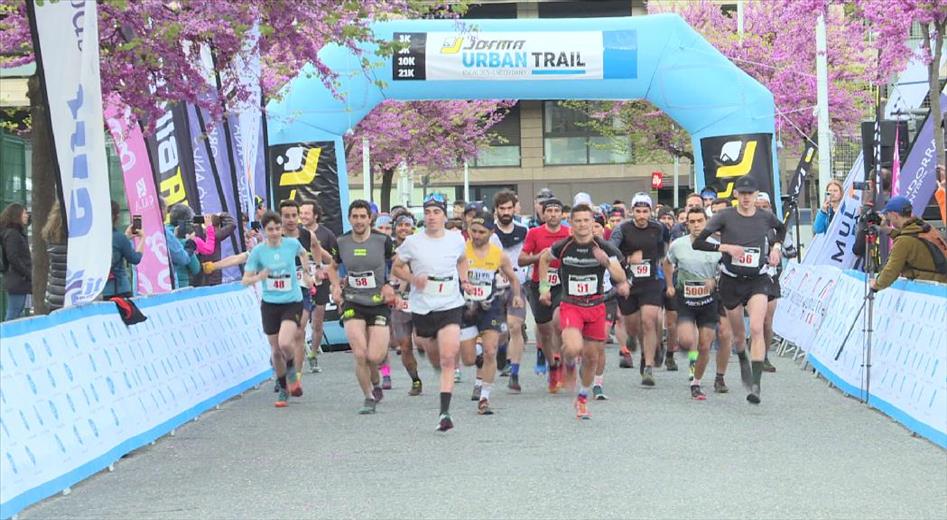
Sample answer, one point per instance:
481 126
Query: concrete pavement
806 452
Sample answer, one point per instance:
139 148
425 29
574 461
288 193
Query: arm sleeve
701 243
175 250
821 223
895 264
664 241
128 251
389 248
556 248
779 227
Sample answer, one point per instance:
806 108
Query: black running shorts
428 325
737 291
274 314
647 292
543 313
372 315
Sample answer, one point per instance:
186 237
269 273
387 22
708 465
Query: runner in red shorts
583 260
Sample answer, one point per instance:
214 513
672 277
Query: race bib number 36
364 280
278 284
583 285
749 258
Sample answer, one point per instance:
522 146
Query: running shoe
475 396
313 363
457 376
582 408
514 384
647 377
507 370
386 383
697 393
624 359
415 388
378 394
598 393
746 373
444 423
555 376
720 387
767 366
754 396
483 408
641 364
296 387
282 400
540 368
669 362
368 407
659 354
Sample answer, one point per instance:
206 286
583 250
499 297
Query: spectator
118 283
918 252
16 263
833 199
939 195
666 217
458 208
56 246
181 258
221 226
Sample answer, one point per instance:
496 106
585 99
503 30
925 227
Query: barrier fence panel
907 379
79 388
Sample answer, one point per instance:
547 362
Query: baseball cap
382 220
437 200
483 218
745 184
708 193
544 194
764 196
897 204
582 198
642 199
473 206
620 212
665 211
599 218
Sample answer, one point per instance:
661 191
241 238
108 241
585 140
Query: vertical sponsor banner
66 41
308 171
799 176
246 117
172 158
834 247
153 274
261 180
918 176
729 157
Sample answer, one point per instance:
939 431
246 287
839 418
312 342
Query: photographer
918 252
833 199
118 283
181 231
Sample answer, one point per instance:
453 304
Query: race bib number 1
440 286
583 285
749 258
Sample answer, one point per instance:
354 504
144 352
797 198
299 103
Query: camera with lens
872 218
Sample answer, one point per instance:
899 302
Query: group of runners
459 296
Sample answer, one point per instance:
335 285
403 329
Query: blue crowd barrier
79 389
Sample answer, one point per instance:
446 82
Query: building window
567 140
504 149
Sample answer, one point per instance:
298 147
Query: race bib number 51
583 285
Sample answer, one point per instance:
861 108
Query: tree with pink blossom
432 135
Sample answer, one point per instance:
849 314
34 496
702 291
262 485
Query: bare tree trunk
934 83
44 190
387 175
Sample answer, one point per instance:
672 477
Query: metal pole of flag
366 171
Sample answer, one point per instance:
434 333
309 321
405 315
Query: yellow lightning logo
737 170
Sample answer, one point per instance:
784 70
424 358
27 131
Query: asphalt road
806 452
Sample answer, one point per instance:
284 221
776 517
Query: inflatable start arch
729 115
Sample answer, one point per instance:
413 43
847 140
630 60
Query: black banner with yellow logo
729 157
172 158
307 171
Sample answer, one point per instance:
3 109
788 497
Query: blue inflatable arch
729 115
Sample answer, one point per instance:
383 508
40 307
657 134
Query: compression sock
385 370
742 355
282 381
514 369
691 362
757 367
445 402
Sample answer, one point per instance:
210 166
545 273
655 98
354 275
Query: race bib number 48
749 258
583 285
279 284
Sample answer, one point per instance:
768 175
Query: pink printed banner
153 274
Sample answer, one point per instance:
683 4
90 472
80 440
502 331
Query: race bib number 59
642 270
